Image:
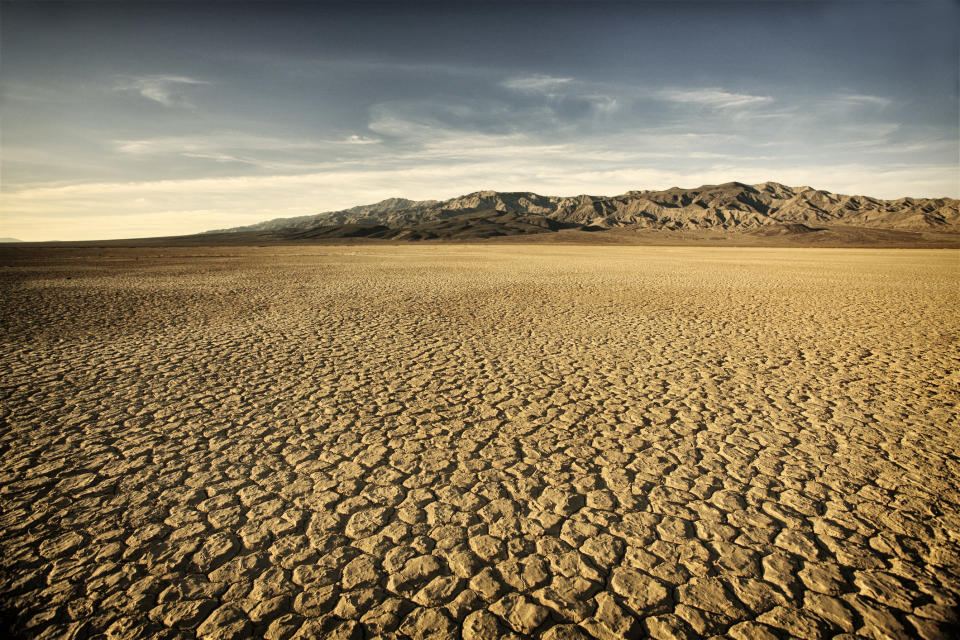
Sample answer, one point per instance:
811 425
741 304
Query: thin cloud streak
212 143
162 89
713 97
269 153
863 100
536 83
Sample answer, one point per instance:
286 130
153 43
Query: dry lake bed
479 441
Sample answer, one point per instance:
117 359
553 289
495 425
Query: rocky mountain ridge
732 206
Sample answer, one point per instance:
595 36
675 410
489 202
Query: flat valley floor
479 441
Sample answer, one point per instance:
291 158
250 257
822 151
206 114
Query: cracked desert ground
479 441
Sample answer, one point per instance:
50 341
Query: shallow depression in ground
479 441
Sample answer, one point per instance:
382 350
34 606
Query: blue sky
129 119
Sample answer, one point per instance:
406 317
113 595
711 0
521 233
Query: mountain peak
729 206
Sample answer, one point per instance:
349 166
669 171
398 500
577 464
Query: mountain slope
732 206
465 226
366 213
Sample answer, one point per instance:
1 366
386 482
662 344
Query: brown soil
479 441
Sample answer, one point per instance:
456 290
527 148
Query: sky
136 119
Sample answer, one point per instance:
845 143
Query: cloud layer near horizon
234 135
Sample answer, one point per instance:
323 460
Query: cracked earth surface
480 442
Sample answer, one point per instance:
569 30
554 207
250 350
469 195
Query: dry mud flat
480 442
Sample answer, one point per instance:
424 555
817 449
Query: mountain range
767 208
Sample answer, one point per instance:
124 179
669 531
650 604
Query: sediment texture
548 442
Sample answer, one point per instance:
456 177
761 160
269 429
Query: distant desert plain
518 439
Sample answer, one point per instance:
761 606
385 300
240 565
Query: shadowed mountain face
767 207
784 229
487 223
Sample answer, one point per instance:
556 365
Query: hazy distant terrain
767 209
479 441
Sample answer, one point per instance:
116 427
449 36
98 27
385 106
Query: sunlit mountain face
731 206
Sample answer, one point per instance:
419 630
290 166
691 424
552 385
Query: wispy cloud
536 83
862 135
50 93
265 152
209 143
923 146
163 89
859 99
572 94
420 121
270 165
355 139
713 97
557 116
